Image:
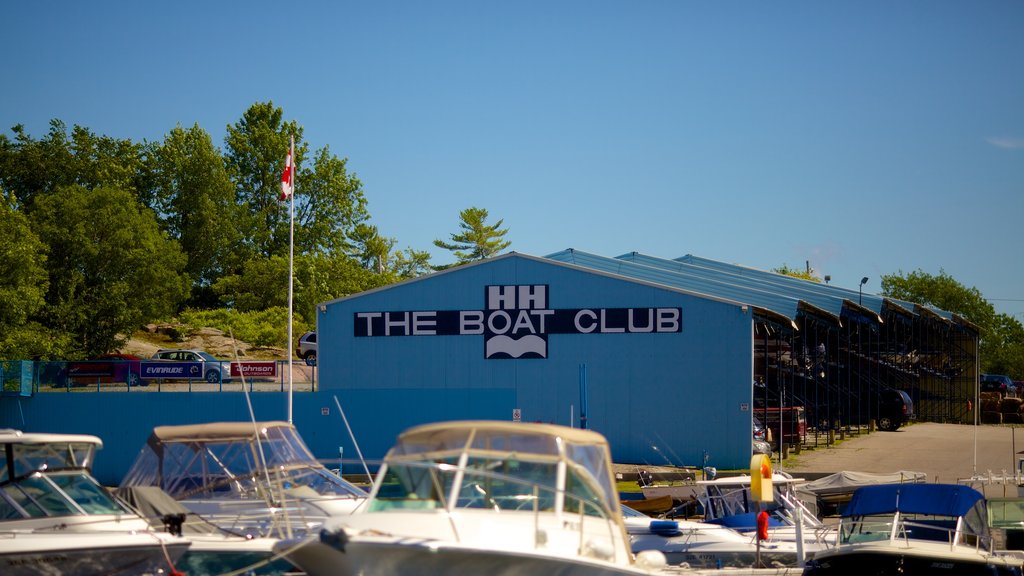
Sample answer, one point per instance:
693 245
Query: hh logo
517 321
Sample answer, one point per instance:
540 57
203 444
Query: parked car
786 425
999 383
214 370
895 408
307 346
106 368
759 430
762 438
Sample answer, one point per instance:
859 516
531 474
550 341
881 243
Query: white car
307 346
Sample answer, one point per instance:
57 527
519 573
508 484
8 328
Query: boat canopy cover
225 459
213 431
585 450
933 499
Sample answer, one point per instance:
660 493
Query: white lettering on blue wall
516 321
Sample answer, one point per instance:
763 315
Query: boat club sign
516 322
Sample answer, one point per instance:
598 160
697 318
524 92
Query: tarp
154 504
847 482
933 499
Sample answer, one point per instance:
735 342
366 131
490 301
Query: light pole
860 290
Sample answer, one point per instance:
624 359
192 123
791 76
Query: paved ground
945 452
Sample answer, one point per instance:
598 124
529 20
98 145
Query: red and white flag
288 176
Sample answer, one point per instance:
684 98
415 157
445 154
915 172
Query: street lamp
860 290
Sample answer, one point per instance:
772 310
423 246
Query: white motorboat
58 520
482 497
692 544
252 478
914 529
727 502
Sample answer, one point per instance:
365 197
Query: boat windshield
55 494
501 467
27 458
909 527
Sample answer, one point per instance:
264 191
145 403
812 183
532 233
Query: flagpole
291 276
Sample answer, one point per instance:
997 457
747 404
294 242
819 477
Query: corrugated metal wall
658 397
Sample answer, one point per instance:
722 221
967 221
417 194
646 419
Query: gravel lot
945 452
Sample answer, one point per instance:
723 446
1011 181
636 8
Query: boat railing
906 530
451 489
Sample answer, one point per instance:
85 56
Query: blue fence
158 376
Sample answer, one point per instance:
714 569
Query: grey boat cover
154 505
846 482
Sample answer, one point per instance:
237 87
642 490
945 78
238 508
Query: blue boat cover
743 522
933 499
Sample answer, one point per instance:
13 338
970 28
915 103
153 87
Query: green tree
321 278
256 147
29 167
22 287
371 249
411 263
477 240
190 189
329 206
807 274
329 201
262 283
110 267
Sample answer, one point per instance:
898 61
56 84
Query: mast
291 275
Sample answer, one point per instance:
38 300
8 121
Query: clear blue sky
867 137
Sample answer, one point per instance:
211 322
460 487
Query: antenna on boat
252 415
353 436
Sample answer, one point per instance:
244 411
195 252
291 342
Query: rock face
154 337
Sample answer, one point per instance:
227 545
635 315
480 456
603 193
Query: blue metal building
663 372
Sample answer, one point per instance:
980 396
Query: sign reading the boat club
516 322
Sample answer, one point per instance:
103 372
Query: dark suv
895 408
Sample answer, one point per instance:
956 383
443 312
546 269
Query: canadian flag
288 176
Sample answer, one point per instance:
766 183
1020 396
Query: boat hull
86 554
222 555
405 556
885 561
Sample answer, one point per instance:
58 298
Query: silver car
307 346
214 370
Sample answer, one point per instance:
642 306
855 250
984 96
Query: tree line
102 235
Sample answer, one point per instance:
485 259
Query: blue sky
867 137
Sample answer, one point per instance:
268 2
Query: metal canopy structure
830 349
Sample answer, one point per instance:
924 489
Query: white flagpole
291 276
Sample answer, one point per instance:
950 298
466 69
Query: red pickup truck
788 424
